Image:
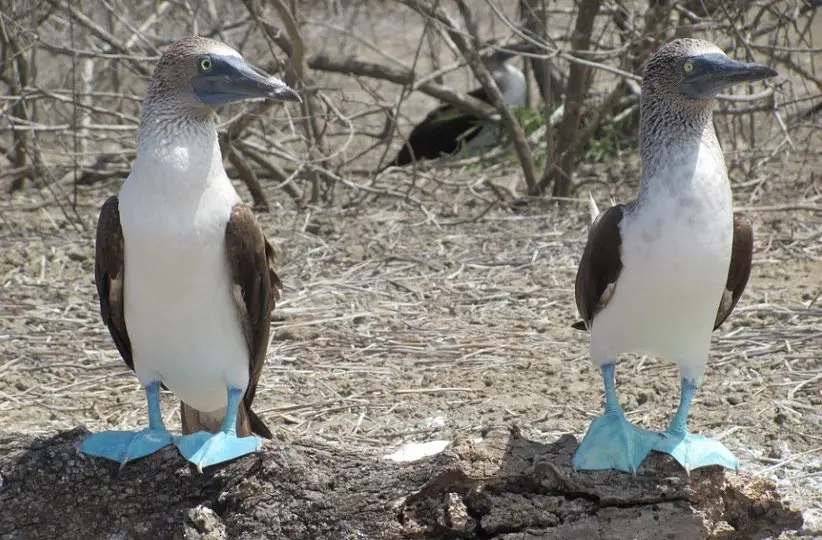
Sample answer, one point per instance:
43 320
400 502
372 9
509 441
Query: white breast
514 88
511 83
179 308
676 249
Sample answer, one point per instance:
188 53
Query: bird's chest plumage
676 249
681 229
178 296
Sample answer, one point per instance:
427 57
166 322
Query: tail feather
257 425
593 210
247 421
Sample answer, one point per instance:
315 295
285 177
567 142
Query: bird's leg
205 449
692 451
125 446
679 423
612 442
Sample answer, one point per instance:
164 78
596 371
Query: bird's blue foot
694 451
205 449
612 442
125 446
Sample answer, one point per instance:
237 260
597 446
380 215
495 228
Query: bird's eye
688 67
206 63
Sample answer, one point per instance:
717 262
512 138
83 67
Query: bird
446 129
183 270
661 272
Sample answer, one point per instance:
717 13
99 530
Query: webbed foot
205 449
125 446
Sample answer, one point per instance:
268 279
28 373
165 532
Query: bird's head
504 52
692 69
202 74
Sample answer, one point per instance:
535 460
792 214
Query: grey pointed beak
714 72
232 79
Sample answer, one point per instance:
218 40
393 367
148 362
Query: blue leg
125 446
612 442
692 451
205 449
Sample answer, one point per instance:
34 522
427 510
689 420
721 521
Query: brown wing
739 270
108 275
600 266
251 260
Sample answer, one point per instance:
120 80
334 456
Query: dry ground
403 324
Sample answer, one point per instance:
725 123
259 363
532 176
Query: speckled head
693 69
201 74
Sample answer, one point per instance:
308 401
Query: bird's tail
247 421
593 210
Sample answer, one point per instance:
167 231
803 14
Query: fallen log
500 486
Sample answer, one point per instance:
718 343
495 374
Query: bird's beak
714 72
232 79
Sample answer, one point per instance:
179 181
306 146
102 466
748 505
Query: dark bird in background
446 129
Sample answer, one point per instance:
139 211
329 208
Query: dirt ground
406 325
404 322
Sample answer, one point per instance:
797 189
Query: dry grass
403 322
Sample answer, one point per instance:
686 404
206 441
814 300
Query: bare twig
469 50
298 73
559 172
401 76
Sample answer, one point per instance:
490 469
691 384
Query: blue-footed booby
661 272
445 130
183 270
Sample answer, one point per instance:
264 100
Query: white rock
414 451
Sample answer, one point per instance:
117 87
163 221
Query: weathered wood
502 486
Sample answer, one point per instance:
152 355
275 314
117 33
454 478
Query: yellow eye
688 67
206 63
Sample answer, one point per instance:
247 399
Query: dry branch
248 176
297 74
535 25
276 172
14 59
502 487
470 51
579 83
399 75
103 35
72 82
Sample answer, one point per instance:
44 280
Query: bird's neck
178 150
673 137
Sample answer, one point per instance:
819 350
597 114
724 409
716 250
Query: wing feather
108 276
251 260
599 266
739 270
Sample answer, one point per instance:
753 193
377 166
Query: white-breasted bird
183 270
661 272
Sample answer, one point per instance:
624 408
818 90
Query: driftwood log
500 486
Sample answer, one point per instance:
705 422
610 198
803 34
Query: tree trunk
501 486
